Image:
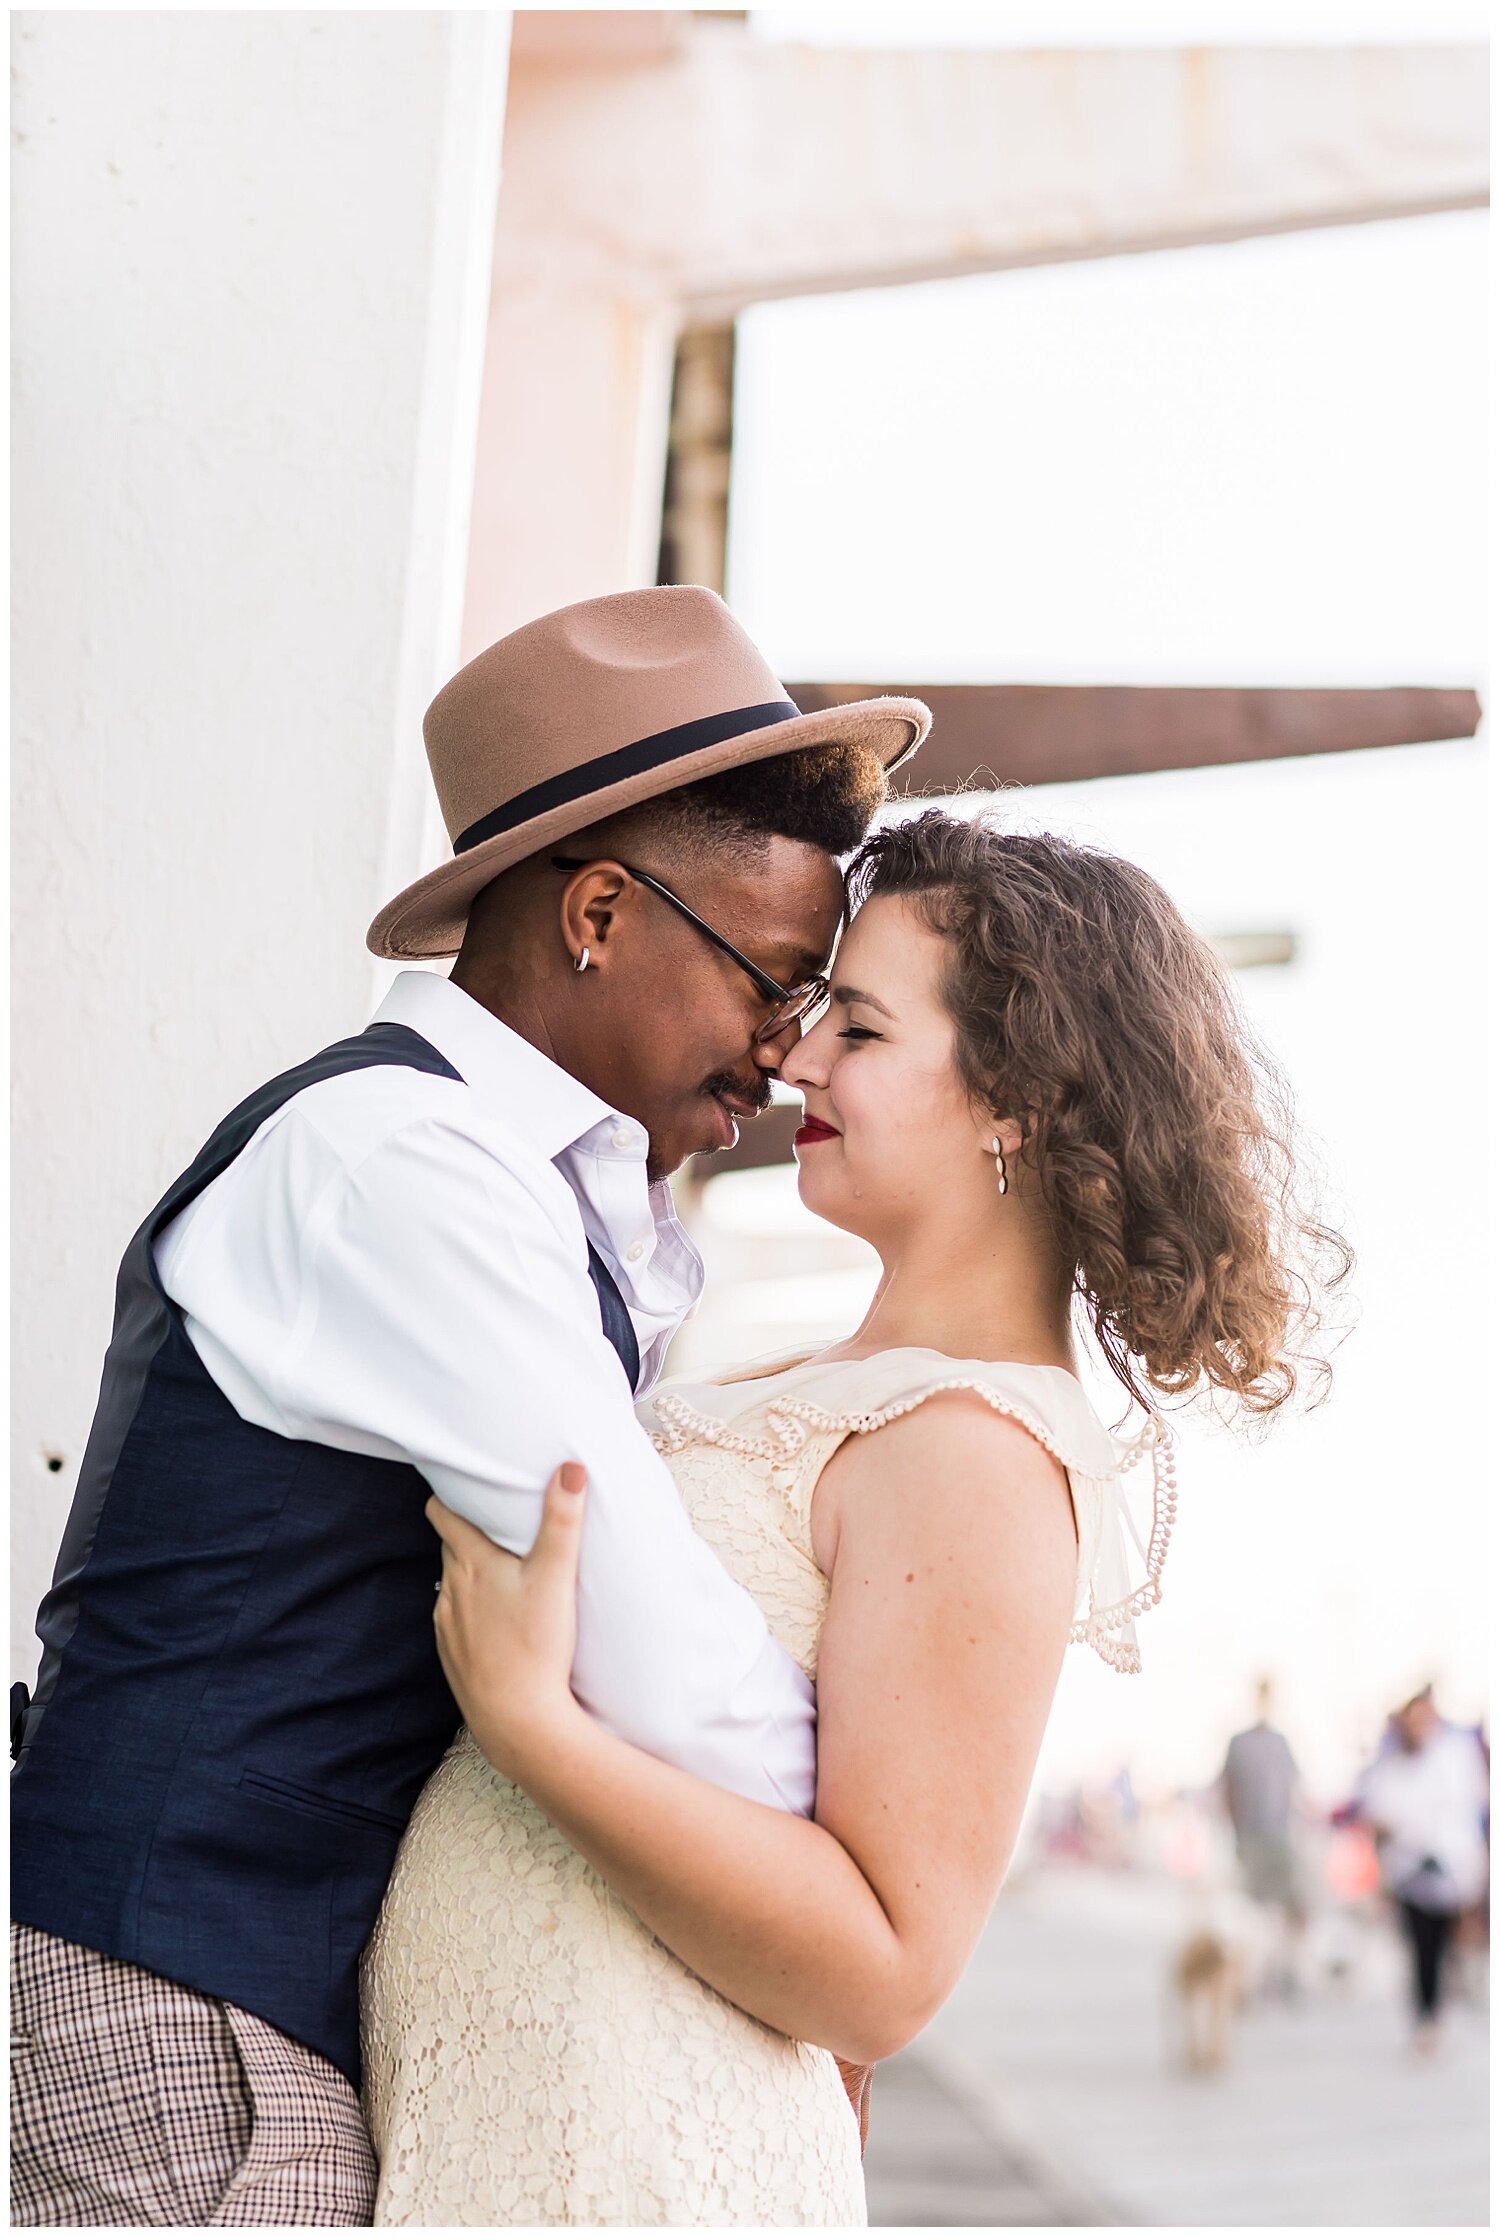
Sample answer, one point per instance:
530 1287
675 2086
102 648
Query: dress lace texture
533 2055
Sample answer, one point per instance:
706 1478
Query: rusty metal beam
700 435
1057 733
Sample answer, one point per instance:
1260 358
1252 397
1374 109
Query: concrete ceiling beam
719 169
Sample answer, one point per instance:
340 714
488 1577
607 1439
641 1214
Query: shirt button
622 1138
636 1250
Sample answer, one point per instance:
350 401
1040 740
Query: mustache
756 1091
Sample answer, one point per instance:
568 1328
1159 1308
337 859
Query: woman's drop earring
999 1162
583 961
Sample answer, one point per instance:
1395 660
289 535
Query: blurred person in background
1355 1916
1032 1086
1471 1941
1425 1798
1259 1788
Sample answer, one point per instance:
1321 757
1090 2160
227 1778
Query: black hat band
627 761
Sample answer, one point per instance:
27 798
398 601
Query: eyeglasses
792 1002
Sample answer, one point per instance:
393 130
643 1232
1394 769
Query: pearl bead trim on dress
792 1420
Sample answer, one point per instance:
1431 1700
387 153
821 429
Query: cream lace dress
533 2055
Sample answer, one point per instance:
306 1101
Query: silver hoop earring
999 1163
583 961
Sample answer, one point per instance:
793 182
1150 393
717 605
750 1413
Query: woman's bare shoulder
952 1466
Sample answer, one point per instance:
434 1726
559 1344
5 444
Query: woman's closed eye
859 1033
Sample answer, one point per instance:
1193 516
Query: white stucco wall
252 262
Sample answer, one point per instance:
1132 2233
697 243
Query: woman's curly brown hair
1161 1132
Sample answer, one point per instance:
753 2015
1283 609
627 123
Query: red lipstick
813 1130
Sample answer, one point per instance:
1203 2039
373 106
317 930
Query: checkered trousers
139 2104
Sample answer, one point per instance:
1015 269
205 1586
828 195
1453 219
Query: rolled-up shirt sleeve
425 1305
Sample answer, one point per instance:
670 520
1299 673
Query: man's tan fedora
588 711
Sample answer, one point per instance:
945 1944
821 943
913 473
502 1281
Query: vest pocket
330 1807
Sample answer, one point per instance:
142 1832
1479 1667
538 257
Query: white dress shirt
396 1264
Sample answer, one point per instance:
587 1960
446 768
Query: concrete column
572 450
252 257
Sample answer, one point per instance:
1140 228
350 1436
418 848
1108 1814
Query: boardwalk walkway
1044 2094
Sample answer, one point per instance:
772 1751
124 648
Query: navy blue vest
239 1697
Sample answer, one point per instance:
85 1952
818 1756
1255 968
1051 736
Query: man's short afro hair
824 795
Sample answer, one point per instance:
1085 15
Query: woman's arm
951 1595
